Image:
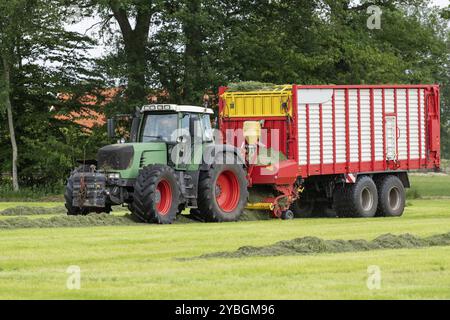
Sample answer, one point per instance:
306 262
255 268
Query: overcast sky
85 25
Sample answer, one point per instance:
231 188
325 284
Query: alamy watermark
374 20
262 149
73 281
374 277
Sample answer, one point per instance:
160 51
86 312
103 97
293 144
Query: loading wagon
347 148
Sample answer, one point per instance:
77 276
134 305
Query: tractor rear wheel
222 192
156 195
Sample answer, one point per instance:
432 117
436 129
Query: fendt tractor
294 150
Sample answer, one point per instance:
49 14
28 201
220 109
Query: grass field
143 262
427 186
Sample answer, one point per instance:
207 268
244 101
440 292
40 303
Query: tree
7 103
197 45
181 41
11 13
39 60
183 53
133 41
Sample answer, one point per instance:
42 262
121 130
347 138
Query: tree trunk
135 41
192 55
12 134
136 69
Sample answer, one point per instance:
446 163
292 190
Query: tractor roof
176 108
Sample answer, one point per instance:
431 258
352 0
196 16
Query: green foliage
27 194
43 65
197 46
182 49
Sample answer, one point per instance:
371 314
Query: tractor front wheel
156 195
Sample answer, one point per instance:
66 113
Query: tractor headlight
114 176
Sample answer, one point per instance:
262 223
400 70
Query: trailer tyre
391 194
222 192
358 200
302 208
322 209
156 195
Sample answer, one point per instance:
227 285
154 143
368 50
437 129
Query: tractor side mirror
111 127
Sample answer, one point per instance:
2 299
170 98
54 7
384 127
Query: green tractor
171 163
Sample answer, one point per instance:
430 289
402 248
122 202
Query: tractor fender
211 154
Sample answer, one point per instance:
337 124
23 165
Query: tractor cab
174 123
167 123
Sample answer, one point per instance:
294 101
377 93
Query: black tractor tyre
222 192
358 200
391 196
302 208
156 197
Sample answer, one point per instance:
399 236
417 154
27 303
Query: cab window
159 127
207 130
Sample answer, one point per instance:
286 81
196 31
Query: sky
85 26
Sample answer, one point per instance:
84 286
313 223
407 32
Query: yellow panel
258 103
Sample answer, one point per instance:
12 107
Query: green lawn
142 261
427 186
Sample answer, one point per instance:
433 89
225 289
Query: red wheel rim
163 197
227 191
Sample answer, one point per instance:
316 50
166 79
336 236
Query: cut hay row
314 245
36 210
62 221
30 211
19 220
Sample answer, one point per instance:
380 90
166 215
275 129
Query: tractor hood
120 157
115 157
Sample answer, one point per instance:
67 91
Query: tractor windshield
159 127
